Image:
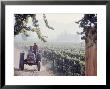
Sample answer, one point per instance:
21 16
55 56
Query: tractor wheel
38 65
21 63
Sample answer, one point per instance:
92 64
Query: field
61 59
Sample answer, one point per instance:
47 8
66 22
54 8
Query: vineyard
65 61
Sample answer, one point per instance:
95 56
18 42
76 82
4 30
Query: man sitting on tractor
35 48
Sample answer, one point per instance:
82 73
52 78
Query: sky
64 24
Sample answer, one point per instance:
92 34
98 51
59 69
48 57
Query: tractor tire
38 65
21 62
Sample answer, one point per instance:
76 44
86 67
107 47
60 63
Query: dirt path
32 71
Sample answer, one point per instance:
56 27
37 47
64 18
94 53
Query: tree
89 25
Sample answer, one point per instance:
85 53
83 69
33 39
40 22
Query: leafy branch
20 25
89 25
46 22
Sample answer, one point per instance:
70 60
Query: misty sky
64 25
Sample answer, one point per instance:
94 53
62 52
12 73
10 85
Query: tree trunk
90 56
